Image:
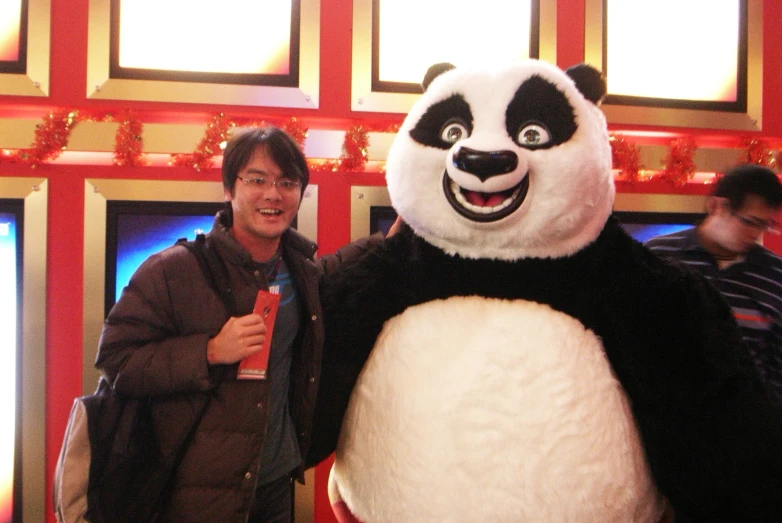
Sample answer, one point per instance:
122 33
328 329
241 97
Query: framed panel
706 74
388 65
29 494
137 229
140 42
24 47
280 79
369 207
13 36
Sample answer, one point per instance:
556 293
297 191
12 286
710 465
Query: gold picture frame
751 120
34 192
101 86
35 81
363 98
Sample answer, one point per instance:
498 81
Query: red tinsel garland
51 137
354 153
354 149
291 125
679 165
201 159
625 157
758 152
296 131
129 142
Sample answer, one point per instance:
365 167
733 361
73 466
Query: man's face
739 230
262 213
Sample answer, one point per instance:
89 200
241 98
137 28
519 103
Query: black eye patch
538 100
428 130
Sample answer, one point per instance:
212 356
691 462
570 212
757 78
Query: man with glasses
725 248
170 338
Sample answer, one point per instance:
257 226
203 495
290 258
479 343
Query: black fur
589 81
539 101
434 71
702 412
428 130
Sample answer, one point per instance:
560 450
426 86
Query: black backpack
111 469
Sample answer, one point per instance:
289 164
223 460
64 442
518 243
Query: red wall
66 182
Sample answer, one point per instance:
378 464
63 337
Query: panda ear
435 71
589 81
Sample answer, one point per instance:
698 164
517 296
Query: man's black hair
746 179
280 147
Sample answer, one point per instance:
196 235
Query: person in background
725 248
170 338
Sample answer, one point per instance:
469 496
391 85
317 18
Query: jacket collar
292 241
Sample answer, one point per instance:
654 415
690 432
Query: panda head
505 163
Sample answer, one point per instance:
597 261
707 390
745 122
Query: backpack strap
213 267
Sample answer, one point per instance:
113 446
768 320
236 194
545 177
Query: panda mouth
481 206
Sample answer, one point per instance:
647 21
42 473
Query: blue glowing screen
647 231
141 235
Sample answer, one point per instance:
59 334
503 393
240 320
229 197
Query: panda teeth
457 192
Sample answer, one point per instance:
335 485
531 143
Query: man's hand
238 338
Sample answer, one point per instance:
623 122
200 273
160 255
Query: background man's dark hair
746 179
280 147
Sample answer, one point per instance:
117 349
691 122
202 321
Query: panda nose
485 164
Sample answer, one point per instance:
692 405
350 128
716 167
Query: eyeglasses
758 225
285 185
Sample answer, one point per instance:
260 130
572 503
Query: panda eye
452 132
533 135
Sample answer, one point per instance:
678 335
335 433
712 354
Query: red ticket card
254 367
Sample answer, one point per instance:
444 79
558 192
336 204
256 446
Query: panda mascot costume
511 354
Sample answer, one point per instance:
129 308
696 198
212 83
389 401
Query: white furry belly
473 409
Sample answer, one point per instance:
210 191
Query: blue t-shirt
280 454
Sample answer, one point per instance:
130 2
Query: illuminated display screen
646 225
235 41
135 230
12 35
701 58
10 327
462 33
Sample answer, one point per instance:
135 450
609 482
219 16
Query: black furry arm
358 297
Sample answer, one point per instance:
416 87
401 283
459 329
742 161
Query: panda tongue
483 199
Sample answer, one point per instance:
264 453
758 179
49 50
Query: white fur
476 409
571 189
